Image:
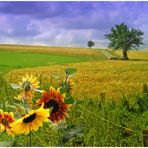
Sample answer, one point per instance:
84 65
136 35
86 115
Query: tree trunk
125 57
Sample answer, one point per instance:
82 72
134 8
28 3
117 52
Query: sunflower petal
2 128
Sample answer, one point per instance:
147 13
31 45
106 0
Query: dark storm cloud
44 9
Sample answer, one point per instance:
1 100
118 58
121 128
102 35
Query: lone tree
121 37
90 44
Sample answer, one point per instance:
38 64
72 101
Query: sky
70 24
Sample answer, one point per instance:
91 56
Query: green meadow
92 122
14 60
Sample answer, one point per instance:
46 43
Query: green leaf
15 86
6 143
38 90
79 102
20 109
16 101
11 107
62 126
80 135
71 70
72 133
69 100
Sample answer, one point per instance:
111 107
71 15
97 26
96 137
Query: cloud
67 23
42 10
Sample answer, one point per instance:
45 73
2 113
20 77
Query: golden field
135 54
113 78
51 50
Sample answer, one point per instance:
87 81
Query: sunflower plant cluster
31 112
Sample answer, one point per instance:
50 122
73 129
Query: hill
17 56
95 74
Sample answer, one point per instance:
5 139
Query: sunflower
5 122
54 99
28 86
31 121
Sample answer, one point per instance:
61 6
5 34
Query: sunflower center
30 118
52 103
26 85
5 122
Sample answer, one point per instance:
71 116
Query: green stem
29 139
61 143
118 125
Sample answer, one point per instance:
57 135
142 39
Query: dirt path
106 53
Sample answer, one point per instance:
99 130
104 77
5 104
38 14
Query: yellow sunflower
54 99
31 121
28 86
5 122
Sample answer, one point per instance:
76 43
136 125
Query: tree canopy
90 43
124 38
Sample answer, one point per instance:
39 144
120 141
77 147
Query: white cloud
72 26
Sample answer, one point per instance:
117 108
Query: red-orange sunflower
55 99
5 122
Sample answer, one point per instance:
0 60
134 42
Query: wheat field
113 78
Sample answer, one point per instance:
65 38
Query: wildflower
55 99
5 122
31 121
28 86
